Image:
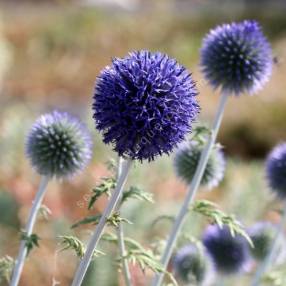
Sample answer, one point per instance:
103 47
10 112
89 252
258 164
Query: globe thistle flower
276 170
262 235
229 253
58 145
144 104
187 159
237 57
191 265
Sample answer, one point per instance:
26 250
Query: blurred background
50 55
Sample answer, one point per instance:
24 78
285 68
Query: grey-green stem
17 271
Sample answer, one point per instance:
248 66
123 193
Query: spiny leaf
30 241
136 193
113 220
73 243
209 209
6 268
105 187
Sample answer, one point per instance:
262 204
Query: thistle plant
275 175
58 146
144 105
235 58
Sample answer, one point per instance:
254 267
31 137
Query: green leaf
136 193
87 220
30 241
136 253
73 243
105 187
113 220
210 210
6 267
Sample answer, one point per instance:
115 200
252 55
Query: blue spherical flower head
237 57
58 145
191 265
229 253
144 104
262 235
187 159
276 170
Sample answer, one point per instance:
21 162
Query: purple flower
229 253
58 145
237 57
144 104
276 170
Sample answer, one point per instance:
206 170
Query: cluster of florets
187 159
58 145
144 104
237 57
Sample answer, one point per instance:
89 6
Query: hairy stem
28 230
192 190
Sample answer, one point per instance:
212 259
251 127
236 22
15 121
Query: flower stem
29 228
120 235
191 191
81 270
270 256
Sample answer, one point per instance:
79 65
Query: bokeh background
50 55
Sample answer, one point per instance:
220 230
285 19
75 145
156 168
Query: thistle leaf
210 210
73 243
136 193
105 187
30 241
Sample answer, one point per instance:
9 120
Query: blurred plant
58 146
275 173
6 267
187 158
276 277
8 210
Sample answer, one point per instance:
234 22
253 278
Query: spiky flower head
58 145
276 170
144 104
190 265
229 253
187 159
262 235
237 57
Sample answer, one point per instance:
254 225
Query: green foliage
137 254
113 220
6 267
210 210
276 277
73 243
30 241
105 187
136 193
200 133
